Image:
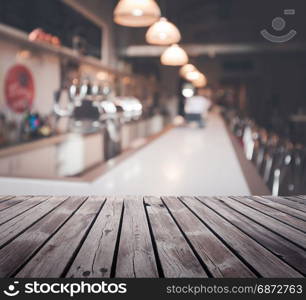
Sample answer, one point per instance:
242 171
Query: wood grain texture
274 213
294 204
96 255
53 257
219 260
11 202
273 242
176 256
16 253
263 261
20 208
145 237
281 207
135 256
4 198
280 228
299 199
14 227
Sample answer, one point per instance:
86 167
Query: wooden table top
152 237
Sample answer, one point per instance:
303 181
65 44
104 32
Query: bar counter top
10 150
185 161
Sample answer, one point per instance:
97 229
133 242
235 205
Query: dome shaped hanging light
174 56
162 33
186 69
193 75
136 13
200 82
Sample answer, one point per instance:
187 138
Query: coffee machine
91 107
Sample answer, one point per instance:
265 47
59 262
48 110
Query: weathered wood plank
14 227
4 198
20 208
176 256
282 207
53 257
280 228
16 253
263 261
299 199
219 260
11 202
96 255
282 200
271 212
282 248
236 237
135 255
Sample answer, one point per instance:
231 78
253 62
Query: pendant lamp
163 33
136 13
200 82
193 75
174 56
186 69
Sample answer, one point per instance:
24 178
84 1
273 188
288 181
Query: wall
101 12
276 81
45 69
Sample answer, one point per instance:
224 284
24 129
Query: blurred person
197 107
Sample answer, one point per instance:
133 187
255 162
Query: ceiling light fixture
200 82
188 90
174 56
186 69
136 13
163 33
193 75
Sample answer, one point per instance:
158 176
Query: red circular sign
19 88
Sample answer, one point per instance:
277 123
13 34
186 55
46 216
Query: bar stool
281 182
260 148
272 152
297 172
250 135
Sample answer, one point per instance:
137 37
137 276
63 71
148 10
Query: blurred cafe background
93 97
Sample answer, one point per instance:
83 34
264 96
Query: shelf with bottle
23 39
30 127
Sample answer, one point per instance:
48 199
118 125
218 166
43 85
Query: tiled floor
185 161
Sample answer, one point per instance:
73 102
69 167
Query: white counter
184 161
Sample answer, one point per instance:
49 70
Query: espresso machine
131 108
91 107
